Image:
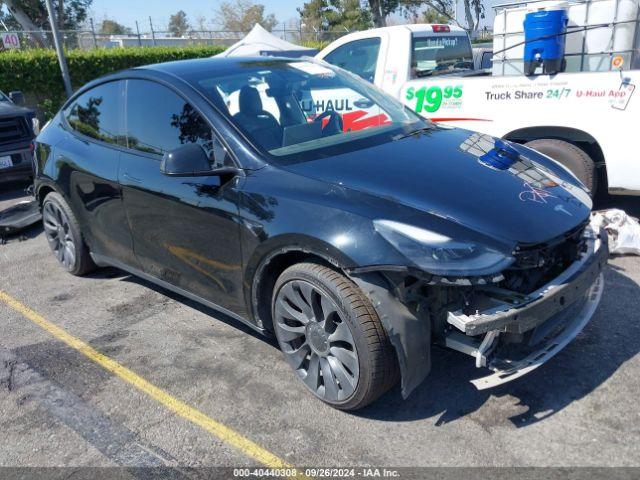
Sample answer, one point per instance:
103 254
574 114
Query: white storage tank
589 46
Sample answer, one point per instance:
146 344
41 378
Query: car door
185 229
87 162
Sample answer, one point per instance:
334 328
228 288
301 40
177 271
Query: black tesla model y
308 204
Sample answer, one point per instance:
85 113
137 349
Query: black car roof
185 67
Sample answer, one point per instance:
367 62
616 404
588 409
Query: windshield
3 97
440 54
295 110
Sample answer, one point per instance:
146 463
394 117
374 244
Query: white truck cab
391 56
586 120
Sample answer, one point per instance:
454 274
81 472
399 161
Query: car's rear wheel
571 156
63 235
332 337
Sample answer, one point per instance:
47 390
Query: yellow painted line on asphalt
224 433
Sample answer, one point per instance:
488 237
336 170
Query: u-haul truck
586 117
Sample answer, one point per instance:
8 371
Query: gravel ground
58 408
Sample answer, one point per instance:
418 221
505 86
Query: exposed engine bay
515 321
535 265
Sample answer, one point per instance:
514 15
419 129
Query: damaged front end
511 322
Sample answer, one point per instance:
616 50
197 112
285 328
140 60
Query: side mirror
191 160
17 97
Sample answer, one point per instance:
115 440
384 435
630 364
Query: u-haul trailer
586 117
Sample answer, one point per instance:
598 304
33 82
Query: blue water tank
544 41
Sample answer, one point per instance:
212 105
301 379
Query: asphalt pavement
109 370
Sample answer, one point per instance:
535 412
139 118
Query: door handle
126 176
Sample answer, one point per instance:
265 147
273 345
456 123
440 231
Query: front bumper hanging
506 370
552 316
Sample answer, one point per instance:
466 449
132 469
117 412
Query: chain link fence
89 39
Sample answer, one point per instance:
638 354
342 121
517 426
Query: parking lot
109 370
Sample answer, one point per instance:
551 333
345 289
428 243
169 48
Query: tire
571 156
63 234
320 314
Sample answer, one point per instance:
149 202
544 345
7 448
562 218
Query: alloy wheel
58 233
316 341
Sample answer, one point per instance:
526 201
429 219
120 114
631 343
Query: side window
359 57
159 120
96 113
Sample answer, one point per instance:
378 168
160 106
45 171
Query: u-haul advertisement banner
480 97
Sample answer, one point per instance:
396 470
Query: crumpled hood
498 189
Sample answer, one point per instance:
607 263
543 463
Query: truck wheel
63 235
332 337
571 156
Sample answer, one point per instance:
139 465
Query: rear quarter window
96 113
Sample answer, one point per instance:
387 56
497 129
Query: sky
127 12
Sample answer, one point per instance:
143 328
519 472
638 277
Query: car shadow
13 190
588 361
23 235
110 272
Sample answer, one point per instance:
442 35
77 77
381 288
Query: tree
334 15
381 9
474 11
242 15
348 14
70 14
111 27
32 16
440 10
313 16
200 27
178 24
431 15
19 20
201 23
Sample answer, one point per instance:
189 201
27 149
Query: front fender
259 277
409 335
284 214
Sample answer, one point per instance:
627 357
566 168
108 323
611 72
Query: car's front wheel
332 337
63 235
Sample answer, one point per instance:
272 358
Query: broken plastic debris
622 229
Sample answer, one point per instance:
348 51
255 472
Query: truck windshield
440 54
295 110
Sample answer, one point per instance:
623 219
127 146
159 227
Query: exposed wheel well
43 192
578 137
268 273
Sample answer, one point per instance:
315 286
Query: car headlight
439 254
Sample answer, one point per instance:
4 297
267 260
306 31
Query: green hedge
318 45
37 73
